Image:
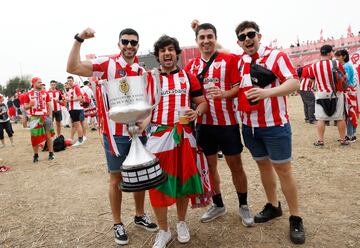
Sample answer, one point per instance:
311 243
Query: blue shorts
123 145
82 115
272 143
214 138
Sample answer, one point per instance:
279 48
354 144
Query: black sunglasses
132 42
250 34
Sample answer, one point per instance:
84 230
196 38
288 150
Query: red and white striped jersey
41 98
223 72
55 98
109 68
306 83
72 94
322 73
271 111
177 88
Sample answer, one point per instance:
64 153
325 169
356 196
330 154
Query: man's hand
87 34
194 24
256 94
214 92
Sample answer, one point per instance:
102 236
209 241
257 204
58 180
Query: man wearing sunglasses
218 128
266 128
116 136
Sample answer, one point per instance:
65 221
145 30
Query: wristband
77 37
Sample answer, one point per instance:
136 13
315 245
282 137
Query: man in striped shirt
266 128
307 94
109 68
55 99
322 72
218 128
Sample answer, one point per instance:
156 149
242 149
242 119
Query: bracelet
77 37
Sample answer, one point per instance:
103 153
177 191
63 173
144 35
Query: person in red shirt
218 128
38 102
56 98
267 77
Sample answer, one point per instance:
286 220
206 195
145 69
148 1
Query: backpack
340 79
59 143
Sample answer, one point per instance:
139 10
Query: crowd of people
329 90
205 91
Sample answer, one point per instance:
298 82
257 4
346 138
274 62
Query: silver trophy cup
129 102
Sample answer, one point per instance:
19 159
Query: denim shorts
123 145
272 143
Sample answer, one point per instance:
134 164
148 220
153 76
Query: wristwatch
77 37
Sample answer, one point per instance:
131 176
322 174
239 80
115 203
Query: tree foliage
21 83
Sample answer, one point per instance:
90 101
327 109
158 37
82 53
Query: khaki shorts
340 107
48 124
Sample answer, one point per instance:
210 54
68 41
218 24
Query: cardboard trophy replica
129 102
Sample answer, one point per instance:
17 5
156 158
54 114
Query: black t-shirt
3 109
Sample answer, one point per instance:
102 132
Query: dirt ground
64 202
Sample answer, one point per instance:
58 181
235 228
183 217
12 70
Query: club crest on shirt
124 87
122 73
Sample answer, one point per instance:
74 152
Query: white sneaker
162 239
213 213
84 138
246 216
77 143
183 232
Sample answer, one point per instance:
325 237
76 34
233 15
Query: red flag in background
321 35
349 33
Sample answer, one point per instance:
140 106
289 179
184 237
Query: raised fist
194 24
87 34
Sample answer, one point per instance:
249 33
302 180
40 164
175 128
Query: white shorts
340 107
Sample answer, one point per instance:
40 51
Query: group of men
40 108
208 87
328 97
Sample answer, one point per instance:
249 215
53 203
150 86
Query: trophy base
142 177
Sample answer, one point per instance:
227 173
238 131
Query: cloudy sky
36 36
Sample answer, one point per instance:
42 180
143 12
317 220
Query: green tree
21 83
60 86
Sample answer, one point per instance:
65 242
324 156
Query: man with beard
266 128
116 136
218 128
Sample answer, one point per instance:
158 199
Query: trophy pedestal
143 177
141 169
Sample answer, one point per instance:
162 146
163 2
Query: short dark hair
205 26
164 41
325 49
52 81
70 77
86 82
246 24
128 31
343 53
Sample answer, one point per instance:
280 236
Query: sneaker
344 142
121 237
245 215
144 221
51 157
297 233
269 212
162 239
220 155
213 213
183 232
35 159
353 139
84 138
77 143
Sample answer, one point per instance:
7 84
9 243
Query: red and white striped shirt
55 98
306 83
322 73
271 111
223 72
109 68
72 94
177 88
41 98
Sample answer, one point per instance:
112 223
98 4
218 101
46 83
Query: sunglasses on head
125 42
250 34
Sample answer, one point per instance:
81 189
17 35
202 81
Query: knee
114 182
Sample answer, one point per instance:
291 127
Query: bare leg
212 163
115 196
181 207
268 180
161 217
320 130
237 172
139 198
